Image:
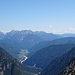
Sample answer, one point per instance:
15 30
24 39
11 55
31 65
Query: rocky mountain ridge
70 69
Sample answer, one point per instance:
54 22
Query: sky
52 16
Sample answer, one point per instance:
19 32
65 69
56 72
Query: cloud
65 31
71 29
50 26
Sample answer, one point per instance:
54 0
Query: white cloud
69 30
50 26
65 31
72 29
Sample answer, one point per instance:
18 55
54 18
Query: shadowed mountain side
70 69
44 56
59 64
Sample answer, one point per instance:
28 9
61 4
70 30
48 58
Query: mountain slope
1 35
10 66
47 36
59 64
40 45
11 50
44 56
68 35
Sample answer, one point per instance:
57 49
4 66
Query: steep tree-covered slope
44 56
59 64
11 50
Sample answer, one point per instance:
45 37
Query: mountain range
39 53
25 39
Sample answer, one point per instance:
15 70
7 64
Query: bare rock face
70 69
8 64
1 71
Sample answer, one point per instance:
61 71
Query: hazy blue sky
54 16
